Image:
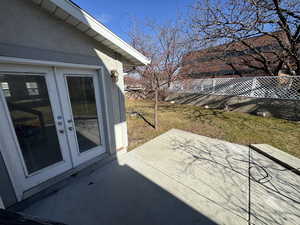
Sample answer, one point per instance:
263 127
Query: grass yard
235 127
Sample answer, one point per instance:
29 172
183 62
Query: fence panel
280 87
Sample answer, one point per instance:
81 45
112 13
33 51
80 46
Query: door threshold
54 184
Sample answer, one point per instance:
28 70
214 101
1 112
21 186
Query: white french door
80 95
54 120
33 130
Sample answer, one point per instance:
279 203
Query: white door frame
30 180
61 74
15 170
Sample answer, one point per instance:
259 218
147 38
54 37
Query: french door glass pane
30 109
84 108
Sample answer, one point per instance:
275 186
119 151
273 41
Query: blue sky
117 14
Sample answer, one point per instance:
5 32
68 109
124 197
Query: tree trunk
156 110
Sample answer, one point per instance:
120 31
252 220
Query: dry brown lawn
235 127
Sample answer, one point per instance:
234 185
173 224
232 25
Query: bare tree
247 25
165 45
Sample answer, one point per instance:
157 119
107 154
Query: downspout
1 204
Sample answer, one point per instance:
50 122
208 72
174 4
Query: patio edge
280 157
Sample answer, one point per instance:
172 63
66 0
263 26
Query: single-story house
61 94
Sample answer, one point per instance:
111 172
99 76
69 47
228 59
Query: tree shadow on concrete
272 191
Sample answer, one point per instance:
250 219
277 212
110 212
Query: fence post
214 86
253 87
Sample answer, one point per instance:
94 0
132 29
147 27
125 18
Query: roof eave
74 15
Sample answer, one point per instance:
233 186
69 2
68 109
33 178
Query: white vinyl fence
280 87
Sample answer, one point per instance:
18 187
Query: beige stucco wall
28 32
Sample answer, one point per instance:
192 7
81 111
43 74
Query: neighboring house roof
72 14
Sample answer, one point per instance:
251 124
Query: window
32 88
5 88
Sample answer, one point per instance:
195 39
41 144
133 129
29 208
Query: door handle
61 131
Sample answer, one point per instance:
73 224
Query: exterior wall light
114 75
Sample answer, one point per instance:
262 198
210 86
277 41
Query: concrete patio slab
216 170
179 178
121 193
274 192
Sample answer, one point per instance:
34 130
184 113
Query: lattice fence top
279 87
